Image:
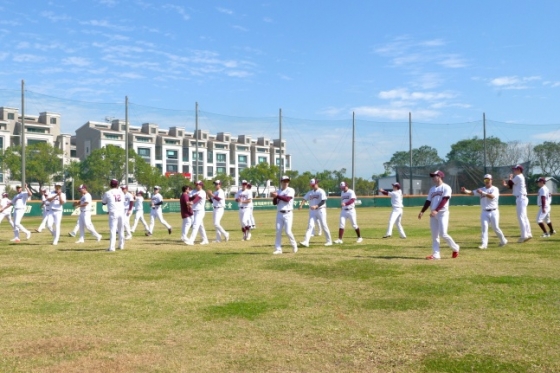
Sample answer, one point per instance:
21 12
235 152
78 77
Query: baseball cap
199 182
114 183
541 180
396 185
139 192
487 176
4 194
157 187
285 178
244 182
518 167
437 173
18 186
124 186
343 184
249 185
313 182
216 182
82 186
58 184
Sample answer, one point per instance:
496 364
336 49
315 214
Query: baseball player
516 182
489 212
128 206
284 201
139 211
113 199
19 203
85 205
397 212
317 200
56 199
348 211
76 228
156 205
438 202
544 200
186 212
5 210
198 199
47 212
218 200
244 198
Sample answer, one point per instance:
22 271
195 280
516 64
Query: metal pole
126 149
23 134
353 148
410 147
280 144
484 131
196 139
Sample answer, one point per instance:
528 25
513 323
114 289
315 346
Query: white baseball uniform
57 205
245 203
544 200
285 217
519 190
47 215
7 213
186 215
219 204
19 202
113 198
128 199
348 211
139 213
198 198
396 213
157 203
317 200
84 219
490 214
440 223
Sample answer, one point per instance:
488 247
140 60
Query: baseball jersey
127 199
519 189
57 203
221 196
489 203
314 197
46 204
346 197
3 203
86 199
283 205
157 199
396 198
113 198
245 198
139 203
543 192
198 205
20 200
436 194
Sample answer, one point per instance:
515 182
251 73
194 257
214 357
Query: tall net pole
281 168
23 134
126 146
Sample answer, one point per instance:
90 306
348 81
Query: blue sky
445 62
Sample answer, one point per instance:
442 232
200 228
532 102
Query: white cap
58 184
488 176
285 178
343 184
313 181
157 187
243 181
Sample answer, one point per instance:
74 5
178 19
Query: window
262 150
172 154
32 141
180 133
52 120
159 167
143 139
1 143
263 160
241 159
11 116
36 130
220 170
200 156
210 171
144 152
209 156
186 169
221 158
171 168
112 137
220 146
153 130
73 153
185 154
171 142
243 148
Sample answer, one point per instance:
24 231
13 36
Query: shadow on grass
243 309
82 250
472 363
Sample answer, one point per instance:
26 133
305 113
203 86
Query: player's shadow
390 257
82 250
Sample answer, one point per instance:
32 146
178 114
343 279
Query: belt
521 195
217 207
284 212
491 209
244 207
352 208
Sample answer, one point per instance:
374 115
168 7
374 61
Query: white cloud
453 62
551 84
513 82
29 58
106 24
268 20
109 3
405 95
548 136
225 11
54 17
76 61
240 28
179 10
395 113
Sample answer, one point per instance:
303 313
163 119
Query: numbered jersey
544 192
114 199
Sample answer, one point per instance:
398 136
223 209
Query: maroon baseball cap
437 173
518 167
541 180
313 182
82 186
396 185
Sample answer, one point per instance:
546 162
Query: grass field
378 306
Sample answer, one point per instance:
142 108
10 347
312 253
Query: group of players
120 205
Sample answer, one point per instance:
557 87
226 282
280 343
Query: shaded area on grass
471 363
246 310
188 261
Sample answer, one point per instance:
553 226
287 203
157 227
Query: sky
320 62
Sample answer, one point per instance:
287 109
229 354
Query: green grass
378 306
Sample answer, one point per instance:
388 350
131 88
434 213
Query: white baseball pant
348 213
543 217
395 218
18 215
492 218
438 226
284 222
198 226
116 224
139 216
47 221
7 215
57 220
318 216
156 213
126 222
217 218
84 222
521 209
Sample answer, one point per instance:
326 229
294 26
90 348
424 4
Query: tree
259 174
147 175
364 187
422 156
174 185
548 157
471 151
43 163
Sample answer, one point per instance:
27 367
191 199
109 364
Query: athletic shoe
482 247
431 257
148 233
80 241
388 236
110 250
502 244
403 237
131 231
360 239
545 235
121 247
16 240
72 234
455 254
227 236
169 230
99 238
189 243
37 231
552 232
28 235
55 243
305 244
320 234
128 237
328 243
338 241
528 238
277 252
205 242
521 240
295 249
